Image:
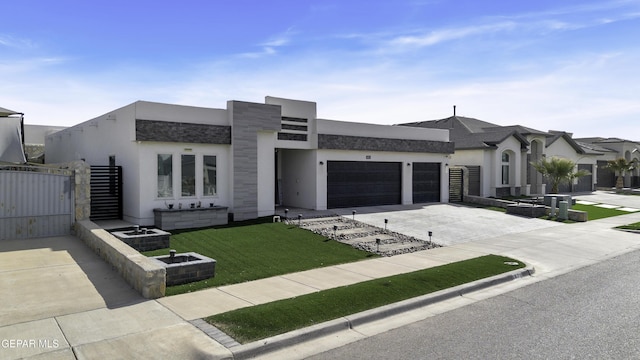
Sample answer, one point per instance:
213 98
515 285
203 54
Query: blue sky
561 65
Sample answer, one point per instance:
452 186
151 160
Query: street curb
295 337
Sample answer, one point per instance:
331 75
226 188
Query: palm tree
621 166
558 170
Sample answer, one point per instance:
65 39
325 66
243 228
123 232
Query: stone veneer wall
82 172
168 131
347 142
141 272
248 119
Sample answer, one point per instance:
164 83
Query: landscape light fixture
286 212
299 219
430 235
386 221
353 212
335 228
377 244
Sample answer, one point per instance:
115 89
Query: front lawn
634 226
262 321
596 212
254 250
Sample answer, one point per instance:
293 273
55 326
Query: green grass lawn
596 213
262 321
634 226
254 250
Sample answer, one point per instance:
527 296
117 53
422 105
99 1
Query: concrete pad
416 261
453 253
97 325
326 278
33 338
628 209
180 341
203 303
42 293
267 290
33 258
585 202
607 206
486 248
376 268
64 354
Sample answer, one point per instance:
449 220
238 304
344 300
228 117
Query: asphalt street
590 313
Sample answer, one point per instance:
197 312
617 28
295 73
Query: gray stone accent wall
167 131
346 142
247 120
82 193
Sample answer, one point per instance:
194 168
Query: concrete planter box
187 267
170 219
151 239
532 211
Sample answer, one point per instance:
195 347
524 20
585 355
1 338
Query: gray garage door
363 183
426 182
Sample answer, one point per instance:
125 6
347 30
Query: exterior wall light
321 162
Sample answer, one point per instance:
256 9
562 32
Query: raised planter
528 210
170 219
187 267
144 239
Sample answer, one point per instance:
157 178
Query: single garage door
426 182
363 183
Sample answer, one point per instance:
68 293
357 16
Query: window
188 175
505 168
165 175
209 175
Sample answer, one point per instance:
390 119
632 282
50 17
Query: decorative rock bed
363 236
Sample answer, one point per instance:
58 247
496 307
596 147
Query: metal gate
474 179
35 202
456 182
106 193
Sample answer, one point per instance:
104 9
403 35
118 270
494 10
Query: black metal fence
106 192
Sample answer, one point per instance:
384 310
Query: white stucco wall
512 145
146 110
300 174
148 194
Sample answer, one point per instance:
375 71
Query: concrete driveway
61 301
450 224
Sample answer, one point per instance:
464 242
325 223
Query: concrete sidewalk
59 294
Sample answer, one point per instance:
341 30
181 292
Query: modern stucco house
498 158
612 149
250 157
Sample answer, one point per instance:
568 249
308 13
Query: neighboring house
614 148
34 136
251 157
11 137
498 158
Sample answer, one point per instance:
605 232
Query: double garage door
370 183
